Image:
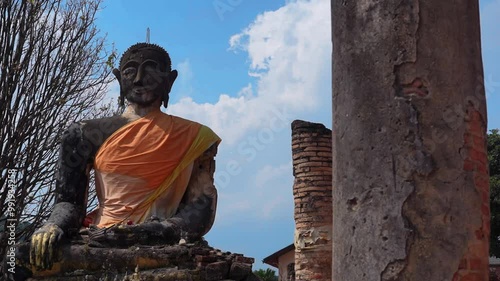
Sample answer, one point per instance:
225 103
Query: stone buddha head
145 75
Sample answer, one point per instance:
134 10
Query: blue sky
247 69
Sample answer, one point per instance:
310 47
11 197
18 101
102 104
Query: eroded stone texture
312 191
175 262
410 172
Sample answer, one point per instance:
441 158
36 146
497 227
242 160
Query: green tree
266 275
494 165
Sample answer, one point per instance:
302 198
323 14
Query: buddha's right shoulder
96 130
105 124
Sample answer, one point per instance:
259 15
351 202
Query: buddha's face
144 78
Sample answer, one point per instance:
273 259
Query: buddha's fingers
44 250
38 250
52 246
33 248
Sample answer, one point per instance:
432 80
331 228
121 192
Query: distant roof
273 258
494 261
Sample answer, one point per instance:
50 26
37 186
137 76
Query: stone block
216 271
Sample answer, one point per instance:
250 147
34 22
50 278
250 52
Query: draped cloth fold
143 169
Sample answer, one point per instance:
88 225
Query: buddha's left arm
196 214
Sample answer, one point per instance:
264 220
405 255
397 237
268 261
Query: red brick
301 170
478 248
478 156
317 188
317 148
486 227
485 195
463 264
305 154
479 142
481 182
324 154
475 115
325 144
478 264
302 160
308 164
468 140
307 139
479 234
318 173
482 168
475 126
485 209
325 169
469 165
327 177
473 276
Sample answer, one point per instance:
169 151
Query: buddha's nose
139 76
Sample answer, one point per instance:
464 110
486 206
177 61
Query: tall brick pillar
312 191
411 196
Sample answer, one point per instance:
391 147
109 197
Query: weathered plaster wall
411 183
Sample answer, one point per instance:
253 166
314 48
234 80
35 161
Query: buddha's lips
141 91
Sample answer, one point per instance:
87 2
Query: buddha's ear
117 74
171 79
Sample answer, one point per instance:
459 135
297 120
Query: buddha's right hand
44 246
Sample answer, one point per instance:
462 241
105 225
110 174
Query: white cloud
274 190
269 196
246 92
113 92
183 82
289 50
268 173
289 53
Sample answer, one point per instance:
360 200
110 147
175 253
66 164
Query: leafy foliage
266 275
494 165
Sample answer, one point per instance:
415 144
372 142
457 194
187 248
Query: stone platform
183 262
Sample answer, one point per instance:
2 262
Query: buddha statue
153 171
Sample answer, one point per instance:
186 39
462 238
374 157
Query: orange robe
143 169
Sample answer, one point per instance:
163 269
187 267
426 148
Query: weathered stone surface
410 183
312 191
240 270
216 271
178 262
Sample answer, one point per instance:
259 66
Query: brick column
312 190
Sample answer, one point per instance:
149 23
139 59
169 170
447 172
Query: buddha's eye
129 72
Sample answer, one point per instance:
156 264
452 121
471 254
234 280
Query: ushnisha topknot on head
158 51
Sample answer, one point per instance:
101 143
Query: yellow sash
141 162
